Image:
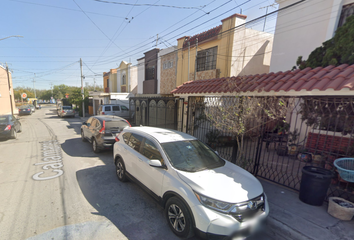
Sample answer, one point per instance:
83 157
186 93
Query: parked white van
114 109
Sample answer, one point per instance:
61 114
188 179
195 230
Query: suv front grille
249 209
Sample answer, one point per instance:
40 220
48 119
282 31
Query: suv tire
120 170
83 137
179 218
94 146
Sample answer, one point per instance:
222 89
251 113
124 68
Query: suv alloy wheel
178 218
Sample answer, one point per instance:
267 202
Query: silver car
66 111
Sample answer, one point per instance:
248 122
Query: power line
70 9
149 5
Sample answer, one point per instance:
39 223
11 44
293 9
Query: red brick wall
328 143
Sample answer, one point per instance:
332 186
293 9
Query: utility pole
265 18
8 80
196 58
189 47
82 90
51 87
34 89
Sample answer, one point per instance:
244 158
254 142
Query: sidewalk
289 218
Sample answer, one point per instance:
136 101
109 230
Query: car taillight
128 123
102 113
8 127
63 111
117 137
103 128
29 109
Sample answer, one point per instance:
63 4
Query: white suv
202 193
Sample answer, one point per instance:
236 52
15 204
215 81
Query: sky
55 34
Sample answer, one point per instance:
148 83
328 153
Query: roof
163 135
108 117
331 78
203 36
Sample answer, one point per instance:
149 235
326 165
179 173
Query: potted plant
340 208
212 137
304 156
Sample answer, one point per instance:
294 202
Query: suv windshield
67 107
192 156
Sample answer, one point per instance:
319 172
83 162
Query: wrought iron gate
317 131
156 112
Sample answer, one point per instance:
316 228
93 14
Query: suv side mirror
156 163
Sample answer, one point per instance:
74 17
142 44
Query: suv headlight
223 207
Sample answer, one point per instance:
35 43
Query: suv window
115 108
124 108
151 151
107 108
94 123
135 141
126 137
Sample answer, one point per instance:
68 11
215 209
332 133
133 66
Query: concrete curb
280 229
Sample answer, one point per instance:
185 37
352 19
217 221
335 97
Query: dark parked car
102 130
25 110
9 126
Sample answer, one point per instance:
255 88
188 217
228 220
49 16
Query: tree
245 116
336 51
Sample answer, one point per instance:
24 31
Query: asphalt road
53 186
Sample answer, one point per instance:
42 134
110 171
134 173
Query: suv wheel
83 136
178 218
120 170
94 146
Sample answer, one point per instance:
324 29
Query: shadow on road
126 205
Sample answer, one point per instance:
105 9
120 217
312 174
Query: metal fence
156 112
314 132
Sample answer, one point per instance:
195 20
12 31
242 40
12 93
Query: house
320 119
119 84
7 101
302 28
167 70
230 49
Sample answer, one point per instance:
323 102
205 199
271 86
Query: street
53 186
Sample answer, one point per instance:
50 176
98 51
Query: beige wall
5 105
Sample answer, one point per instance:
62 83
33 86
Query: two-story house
7 101
302 28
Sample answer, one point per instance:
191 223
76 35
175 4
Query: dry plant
245 116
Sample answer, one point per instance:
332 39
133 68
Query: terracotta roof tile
203 36
336 78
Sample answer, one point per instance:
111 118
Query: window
124 108
115 108
347 11
108 83
191 156
167 64
124 81
150 73
107 108
151 151
206 59
126 137
94 123
135 142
